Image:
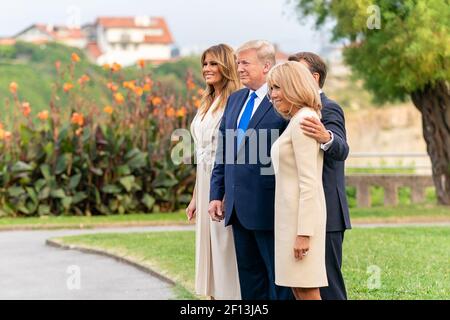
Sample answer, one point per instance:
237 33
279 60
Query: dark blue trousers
333 259
255 260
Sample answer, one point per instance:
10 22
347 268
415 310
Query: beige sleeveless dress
215 261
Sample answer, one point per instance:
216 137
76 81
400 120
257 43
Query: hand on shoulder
312 127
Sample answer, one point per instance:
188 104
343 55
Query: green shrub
377 196
84 158
7 52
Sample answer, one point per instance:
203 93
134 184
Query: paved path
29 269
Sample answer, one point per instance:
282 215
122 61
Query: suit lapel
259 113
257 117
235 115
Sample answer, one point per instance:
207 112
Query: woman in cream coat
300 212
216 272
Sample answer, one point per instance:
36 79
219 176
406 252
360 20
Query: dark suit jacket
249 192
333 178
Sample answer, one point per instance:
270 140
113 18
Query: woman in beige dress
300 211
216 272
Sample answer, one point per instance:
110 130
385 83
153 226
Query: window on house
125 38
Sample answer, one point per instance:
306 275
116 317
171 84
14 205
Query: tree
400 49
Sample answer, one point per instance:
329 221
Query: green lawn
61 222
413 262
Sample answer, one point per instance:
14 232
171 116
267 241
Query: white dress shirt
261 93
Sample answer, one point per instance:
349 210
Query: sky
195 24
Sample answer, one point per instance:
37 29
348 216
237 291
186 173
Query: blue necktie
245 119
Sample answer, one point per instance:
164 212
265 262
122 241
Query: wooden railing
390 183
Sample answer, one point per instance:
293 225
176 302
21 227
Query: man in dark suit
244 175
332 136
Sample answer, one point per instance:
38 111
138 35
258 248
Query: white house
43 33
126 40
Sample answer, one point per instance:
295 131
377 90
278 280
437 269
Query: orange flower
197 103
77 118
139 91
181 113
141 63
119 98
200 92
26 109
147 87
112 87
85 78
67 86
116 67
108 109
58 65
106 66
8 136
75 57
155 112
170 112
148 80
129 85
190 84
5 135
13 87
156 101
79 131
43 115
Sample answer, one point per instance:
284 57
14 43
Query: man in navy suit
332 136
244 176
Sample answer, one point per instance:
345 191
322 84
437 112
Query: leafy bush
7 52
85 159
377 196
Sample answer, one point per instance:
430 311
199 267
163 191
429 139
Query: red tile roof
70 34
7 41
41 27
111 22
130 22
93 50
58 32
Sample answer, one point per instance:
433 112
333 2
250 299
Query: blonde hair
264 50
224 56
297 85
